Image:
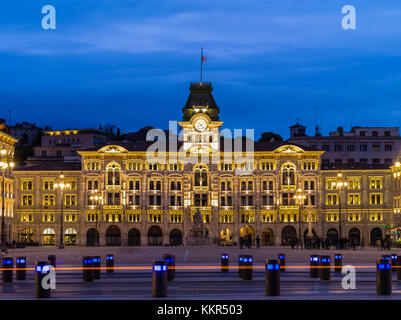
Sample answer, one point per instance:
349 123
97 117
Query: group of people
326 243
319 243
246 241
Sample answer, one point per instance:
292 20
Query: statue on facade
198 234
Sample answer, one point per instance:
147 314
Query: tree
270 136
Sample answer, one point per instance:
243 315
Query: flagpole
201 64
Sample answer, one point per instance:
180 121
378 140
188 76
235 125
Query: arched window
113 174
288 174
200 176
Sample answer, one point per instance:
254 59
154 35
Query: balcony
288 187
112 207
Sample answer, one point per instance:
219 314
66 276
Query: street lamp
6 163
340 184
301 198
61 186
97 199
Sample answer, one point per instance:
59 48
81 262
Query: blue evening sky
129 63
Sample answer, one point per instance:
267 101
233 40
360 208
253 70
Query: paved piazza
194 255
196 281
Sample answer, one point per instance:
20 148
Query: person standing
257 241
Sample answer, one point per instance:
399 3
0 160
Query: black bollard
87 271
41 270
225 262
394 260
159 278
248 268
338 262
314 266
272 278
96 265
52 259
7 265
110 263
20 273
383 277
398 267
240 265
281 258
325 267
170 259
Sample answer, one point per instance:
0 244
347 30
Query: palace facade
7 197
126 194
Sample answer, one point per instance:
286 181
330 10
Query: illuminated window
70 200
375 183
27 200
354 198
354 217
48 185
309 165
288 174
267 217
27 185
354 184
331 199
331 184
134 217
375 198
332 217
48 217
26 217
226 217
226 166
175 217
267 165
376 217
48 200
134 165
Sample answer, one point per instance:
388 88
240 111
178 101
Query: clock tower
201 118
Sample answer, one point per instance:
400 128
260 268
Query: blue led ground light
42 268
7 261
159 268
314 259
109 258
21 260
240 259
248 259
224 257
281 257
273 266
382 266
96 259
325 260
394 257
88 261
338 257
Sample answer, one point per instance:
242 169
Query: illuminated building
126 198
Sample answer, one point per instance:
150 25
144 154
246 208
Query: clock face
200 125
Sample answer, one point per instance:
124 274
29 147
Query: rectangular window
354 199
375 198
363 147
27 200
331 199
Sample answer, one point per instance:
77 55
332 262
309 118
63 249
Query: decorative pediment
113 149
289 149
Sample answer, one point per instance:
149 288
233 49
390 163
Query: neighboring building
366 145
7 149
64 145
27 134
151 200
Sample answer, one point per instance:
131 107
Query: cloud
257 30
